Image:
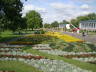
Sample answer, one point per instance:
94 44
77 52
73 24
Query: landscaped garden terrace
49 52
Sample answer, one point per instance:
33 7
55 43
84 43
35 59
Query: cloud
86 7
59 10
85 1
61 5
63 11
29 7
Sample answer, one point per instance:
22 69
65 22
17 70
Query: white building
62 25
67 26
88 25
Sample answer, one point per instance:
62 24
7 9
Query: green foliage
82 65
47 25
91 16
10 15
17 66
39 32
34 20
7 36
71 47
64 22
55 24
35 39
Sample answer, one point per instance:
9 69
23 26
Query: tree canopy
55 24
64 22
10 14
46 25
91 16
34 20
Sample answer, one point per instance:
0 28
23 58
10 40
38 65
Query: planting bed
45 65
51 44
81 56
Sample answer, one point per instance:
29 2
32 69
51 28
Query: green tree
64 22
10 14
23 24
47 25
74 22
91 16
55 24
34 20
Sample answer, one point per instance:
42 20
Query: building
89 25
64 27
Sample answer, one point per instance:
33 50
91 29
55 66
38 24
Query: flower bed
32 39
21 56
64 37
6 71
16 53
79 56
47 65
59 52
10 47
42 47
20 43
90 59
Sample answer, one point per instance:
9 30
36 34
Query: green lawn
16 66
82 65
7 35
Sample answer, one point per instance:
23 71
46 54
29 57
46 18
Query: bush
39 32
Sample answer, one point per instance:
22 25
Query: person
83 34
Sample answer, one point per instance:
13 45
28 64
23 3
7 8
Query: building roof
88 21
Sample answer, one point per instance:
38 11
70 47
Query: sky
58 10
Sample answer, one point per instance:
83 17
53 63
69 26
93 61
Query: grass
17 66
7 35
82 65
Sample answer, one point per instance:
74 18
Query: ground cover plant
42 63
16 54
16 66
7 36
75 62
55 44
32 39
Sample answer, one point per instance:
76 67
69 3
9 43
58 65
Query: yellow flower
64 37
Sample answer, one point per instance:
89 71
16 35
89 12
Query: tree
11 10
91 16
55 24
64 22
34 20
23 24
74 22
47 25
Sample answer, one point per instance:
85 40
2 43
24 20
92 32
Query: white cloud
85 1
69 11
60 11
63 11
85 12
29 7
85 7
61 5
